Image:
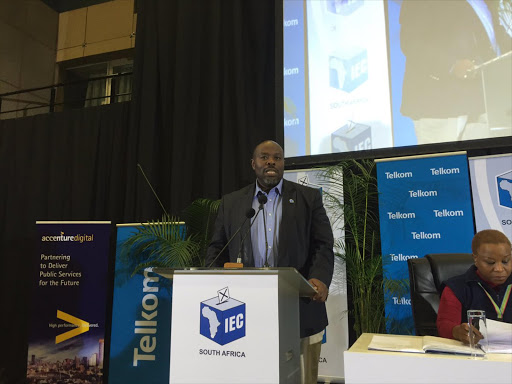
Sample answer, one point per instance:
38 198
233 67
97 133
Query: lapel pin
292 201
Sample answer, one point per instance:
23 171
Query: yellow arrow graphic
82 327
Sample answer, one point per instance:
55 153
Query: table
364 366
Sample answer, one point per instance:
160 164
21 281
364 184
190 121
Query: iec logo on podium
222 318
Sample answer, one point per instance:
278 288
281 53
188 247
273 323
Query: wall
95 30
34 37
28 41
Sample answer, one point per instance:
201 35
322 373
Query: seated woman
486 286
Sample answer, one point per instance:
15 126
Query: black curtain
64 166
204 96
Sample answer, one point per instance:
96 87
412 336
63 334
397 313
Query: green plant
171 243
352 200
200 218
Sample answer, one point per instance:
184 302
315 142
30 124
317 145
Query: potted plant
171 243
352 199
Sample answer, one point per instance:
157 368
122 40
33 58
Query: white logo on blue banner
424 207
491 183
141 312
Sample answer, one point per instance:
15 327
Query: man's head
491 253
268 164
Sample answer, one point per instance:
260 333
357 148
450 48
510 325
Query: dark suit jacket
305 241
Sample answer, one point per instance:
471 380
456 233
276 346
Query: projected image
348 86
439 72
294 78
456 80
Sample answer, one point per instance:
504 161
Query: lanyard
499 310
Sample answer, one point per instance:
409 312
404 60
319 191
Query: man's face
268 164
493 262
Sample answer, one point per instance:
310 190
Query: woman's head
491 254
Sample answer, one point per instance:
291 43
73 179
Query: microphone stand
239 258
248 215
263 200
266 241
152 189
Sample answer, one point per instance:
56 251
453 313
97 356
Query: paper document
419 344
499 336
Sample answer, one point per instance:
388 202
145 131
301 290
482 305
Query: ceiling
68 5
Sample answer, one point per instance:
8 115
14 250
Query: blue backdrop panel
141 323
424 207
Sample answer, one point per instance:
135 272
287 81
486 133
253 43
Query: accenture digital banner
141 322
68 306
491 183
424 207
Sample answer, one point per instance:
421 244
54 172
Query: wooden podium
236 325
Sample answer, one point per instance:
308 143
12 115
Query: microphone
262 199
248 214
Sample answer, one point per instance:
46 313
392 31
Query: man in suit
292 230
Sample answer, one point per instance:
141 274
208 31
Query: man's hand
461 333
463 69
321 290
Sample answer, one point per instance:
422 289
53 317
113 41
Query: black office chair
426 275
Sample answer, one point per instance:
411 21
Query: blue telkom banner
424 207
141 322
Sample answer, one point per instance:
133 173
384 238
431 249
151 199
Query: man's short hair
488 236
265 141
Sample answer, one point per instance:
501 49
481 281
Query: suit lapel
248 259
288 202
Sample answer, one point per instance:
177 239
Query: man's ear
252 164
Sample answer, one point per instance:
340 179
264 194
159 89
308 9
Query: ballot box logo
504 187
352 136
348 70
222 318
303 180
343 7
